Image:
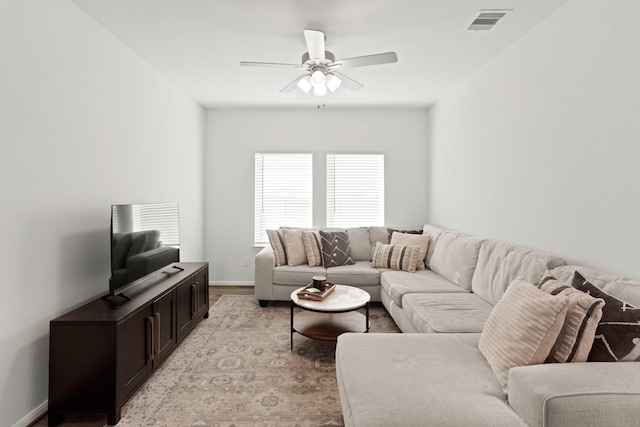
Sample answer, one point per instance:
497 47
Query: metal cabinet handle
197 284
158 339
150 330
194 298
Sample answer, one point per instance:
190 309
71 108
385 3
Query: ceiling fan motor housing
329 58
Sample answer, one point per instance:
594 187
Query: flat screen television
145 238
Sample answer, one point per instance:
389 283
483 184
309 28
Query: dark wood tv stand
100 353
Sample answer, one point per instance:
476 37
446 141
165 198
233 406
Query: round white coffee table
336 314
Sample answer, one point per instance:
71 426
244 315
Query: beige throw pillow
293 244
522 328
277 244
312 247
419 240
579 329
396 257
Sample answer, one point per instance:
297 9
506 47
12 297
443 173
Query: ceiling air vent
486 20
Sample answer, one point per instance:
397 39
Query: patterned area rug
236 369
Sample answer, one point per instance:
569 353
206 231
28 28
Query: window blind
355 190
283 192
163 217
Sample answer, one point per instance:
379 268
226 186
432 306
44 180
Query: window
355 190
284 192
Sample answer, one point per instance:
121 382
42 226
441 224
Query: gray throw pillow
336 250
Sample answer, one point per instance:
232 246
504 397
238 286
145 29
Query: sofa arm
264 264
577 394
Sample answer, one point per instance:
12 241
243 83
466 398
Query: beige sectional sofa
275 283
434 373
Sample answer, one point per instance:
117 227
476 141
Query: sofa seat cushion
359 274
442 380
297 275
455 312
396 284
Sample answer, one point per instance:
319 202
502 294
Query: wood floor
100 420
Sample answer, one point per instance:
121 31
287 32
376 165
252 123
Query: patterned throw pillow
396 257
335 248
277 243
576 337
411 239
312 247
521 329
618 333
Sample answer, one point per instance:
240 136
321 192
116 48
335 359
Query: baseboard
229 283
33 416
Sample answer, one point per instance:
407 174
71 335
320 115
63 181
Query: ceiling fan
320 67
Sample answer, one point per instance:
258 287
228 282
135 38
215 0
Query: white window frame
355 190
283 192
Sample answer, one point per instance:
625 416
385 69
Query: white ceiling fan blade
315 43
348 82
270 64
291 86
361 61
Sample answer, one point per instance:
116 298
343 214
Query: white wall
233 136
542 148
84 123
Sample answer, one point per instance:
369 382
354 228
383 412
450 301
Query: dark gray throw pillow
390 232
336 250
618 333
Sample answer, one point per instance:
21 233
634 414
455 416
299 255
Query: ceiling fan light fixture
333 82
317 78
305 84
319 90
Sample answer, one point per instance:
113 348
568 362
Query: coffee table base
327 326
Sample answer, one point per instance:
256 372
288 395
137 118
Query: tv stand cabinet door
201 280
164 324
185 309
134 353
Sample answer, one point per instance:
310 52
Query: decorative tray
311 293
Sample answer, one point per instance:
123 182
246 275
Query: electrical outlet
246 261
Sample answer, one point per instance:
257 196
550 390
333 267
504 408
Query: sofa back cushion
620 287
433 233
499 263
455 258
360 244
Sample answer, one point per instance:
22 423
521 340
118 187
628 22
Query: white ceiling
198 44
